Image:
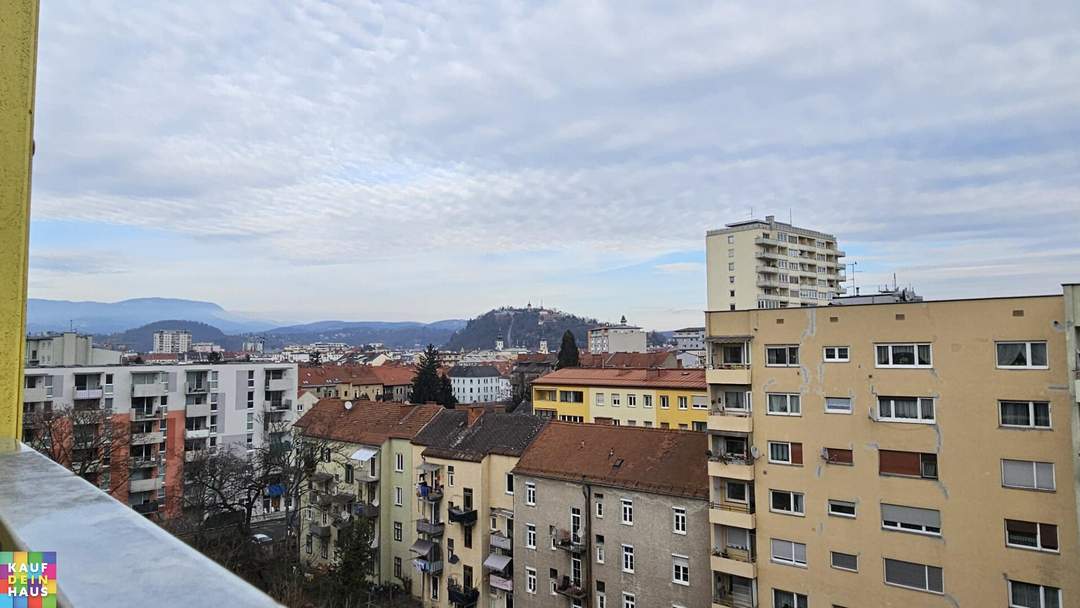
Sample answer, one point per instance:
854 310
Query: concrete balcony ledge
97 539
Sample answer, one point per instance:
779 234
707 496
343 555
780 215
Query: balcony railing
465 516
429 493
501 541
462 596
570 588
424 526
569 542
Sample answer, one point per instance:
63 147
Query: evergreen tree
568 352
446 392
347 582
426 386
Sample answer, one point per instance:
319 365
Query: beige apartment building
770 264
895 455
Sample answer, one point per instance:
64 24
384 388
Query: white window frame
746 491
398 494
677 569
530 580
926 576
628 557
794 598
1038 537
920 402
1027 352
832 561
1043 589
783 560
509 482
1035 475
829 508
599 399
631 399
530 493
678 520
779 444
914 345
836 358
787 348
793 495
629 600
833 410
627 508
787 403
399 462
646 400
910 528
530 536
616 400
1031 415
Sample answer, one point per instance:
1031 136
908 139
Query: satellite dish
348 405
755 452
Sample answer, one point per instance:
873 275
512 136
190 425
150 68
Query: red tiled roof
693 379
661 461
368 422
394 375
651 360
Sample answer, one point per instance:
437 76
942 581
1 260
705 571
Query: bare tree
86 441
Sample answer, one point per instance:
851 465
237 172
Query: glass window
787 599
783 501
1028 475
784 404
837 405
680 569
1021 354
782 356
918 410
788 552
841 508
911 519
1031 535
1025 414
1028 595
904 355
913 576
836 354
845 561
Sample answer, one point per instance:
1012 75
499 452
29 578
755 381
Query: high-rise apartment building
770 264
67 348
901 454
172 341
621 338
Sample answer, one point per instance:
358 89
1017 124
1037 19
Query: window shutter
796 453
899 463
1048 535
839 456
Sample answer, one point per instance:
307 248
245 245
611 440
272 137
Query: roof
693 379
537 357
473 371
832 307
658 461
327 375
394 375
661 358
450 436
614 326
686 330
368 422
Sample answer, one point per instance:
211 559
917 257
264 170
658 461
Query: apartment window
736 491
250 439
682 403
665 402
398 494
572 396
631 400
837 405
1030 595
680 570
599 398
397 531
782 356
913 576
730 253
1025 414
1031 535
250 400
836 354
616 400
628 511
600 548
436 582
646 400
399 462
601 600
510 484
908 464
911 519
1021 355
530 493
628 558
545 395
788 552
839 456
1028 475
678 517
530 580
731 239
628 600
842 508
904 355
844 561
251 379
785 501
784 404
308 544
530 536
397 567
788 599
599 498
918 410
783 452
450 475
348 473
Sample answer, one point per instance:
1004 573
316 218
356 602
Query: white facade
172 341
206 347
478 384
68 348
690 338
620 338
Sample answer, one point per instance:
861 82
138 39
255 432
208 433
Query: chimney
652 373
770 218
475 412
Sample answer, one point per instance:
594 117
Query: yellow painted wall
624 413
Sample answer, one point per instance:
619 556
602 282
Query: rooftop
367 422
859 304
451 436
662 358
693 379
473 371
659 461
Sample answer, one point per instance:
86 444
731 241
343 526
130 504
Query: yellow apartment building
664 398
895 455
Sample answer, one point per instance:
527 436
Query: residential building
528 367
67 349
664 398
611 516
206 347
365 470
363 382
770 264
174 341
652 359
689 338
161 416
478 383
902 454
465 506
894 295
620 338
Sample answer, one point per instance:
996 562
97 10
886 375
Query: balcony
732 468
462 596
366 510
144 462
731 421
146 485
282 405
197 410
322 531
733 515
279 384
149 389
147 438
364 474
146 508
425 526
196 433
97 539
501 583
146 414
571 589
729 600
33 395
196 388
428 557
465 516
501 541
571 543
431 494
728 373
87 393
734 562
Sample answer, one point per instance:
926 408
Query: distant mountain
141 339
521 327
394 334
113 317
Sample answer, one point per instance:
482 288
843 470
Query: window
572 396
908 464
844 561
680 570
678 523
665 402
398 500
646 400
530 493
308 544
530 580
913 576
599 498
628 558
399 462
1021 355
904 355
397 531
628 600
911 519
841 508
250 422
839 456
919 410
397 567
616 400
601 600
836 354
782 356
788 552
682 403
599 398
628 511
736 491
510 484
530 536
1025 414
1031 535
600 549
1029 595
545 395
783 452
1028 475
837 405
348 473
784 501
784 404
787 599
631 400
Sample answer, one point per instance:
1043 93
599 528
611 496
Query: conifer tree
568 352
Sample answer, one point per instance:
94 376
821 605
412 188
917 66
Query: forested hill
520 327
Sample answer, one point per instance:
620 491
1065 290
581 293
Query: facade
663 398
526 368
161 414
621 338
608 516
206 347
689 338
910 454
478 384
65 349
172 341
365 470
464 514
769 264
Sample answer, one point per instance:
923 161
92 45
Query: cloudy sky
424 160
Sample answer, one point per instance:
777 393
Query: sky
427 160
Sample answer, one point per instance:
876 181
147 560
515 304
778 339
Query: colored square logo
27 579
